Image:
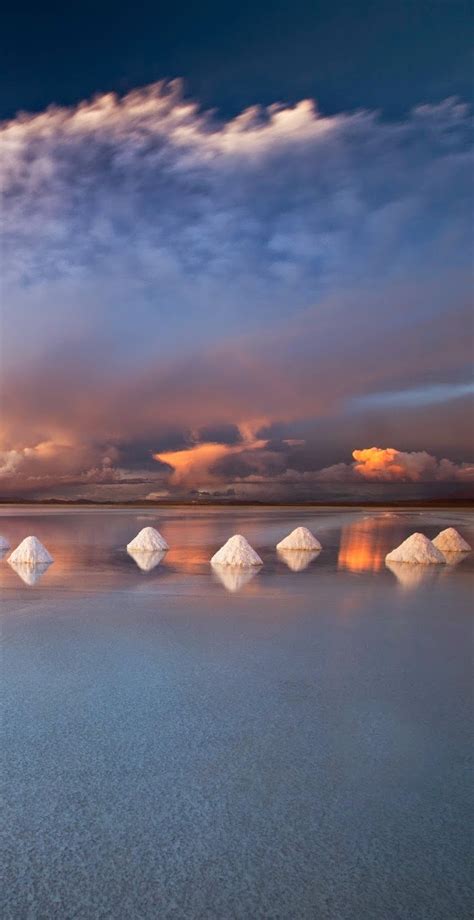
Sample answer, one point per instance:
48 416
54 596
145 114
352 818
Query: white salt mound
31 552
4 544
148 541
237 551
300 539
416 549
450 541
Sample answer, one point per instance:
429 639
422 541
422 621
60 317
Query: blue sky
380 55
238 298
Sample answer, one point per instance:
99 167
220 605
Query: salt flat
292 745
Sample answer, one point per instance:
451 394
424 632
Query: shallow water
290 744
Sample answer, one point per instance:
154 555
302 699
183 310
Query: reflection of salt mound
30 574
412 576
300 539
148 541
31 552
234 577
297 559
4 544
450 541
238 552
146 561
416 549
453 559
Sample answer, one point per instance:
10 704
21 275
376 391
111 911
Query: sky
236 251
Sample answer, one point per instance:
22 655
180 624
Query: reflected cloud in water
29 574
146 561
297 560
411 576
183 558
364 544
233 578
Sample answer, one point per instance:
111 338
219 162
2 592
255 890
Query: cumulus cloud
386 464
197 465
260 462
174 284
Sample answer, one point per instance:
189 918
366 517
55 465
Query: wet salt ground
298 748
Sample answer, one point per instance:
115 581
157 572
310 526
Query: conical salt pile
148 541
147 561
416 549
297 559
30 552
450 541
4 544
300 539
237 551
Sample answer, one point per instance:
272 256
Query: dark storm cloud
220 434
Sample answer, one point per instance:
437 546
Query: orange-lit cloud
386 464
377 462
201 465
390 465
195 465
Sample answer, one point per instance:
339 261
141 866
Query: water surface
289 743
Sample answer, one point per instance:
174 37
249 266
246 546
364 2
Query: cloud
378 464
389 464
255 463
196 465
175 284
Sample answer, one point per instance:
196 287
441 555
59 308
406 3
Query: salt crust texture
237 551
416 549
450 541
31 552
300 539
148 541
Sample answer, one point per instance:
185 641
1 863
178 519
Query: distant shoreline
235 503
